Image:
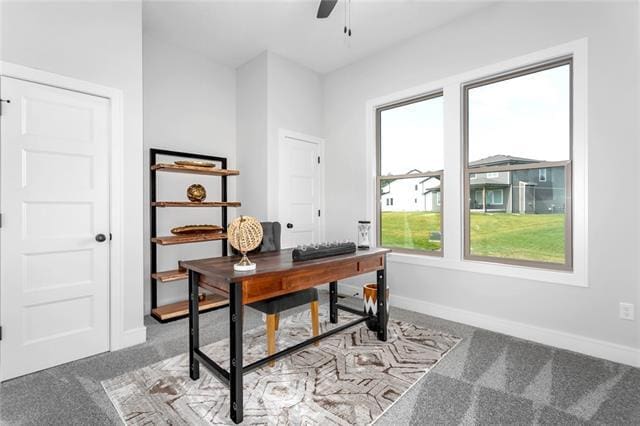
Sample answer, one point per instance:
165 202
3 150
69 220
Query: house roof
430 177
495 160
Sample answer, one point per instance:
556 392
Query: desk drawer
371 264
255 289
308 279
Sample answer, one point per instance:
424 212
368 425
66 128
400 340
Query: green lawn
530 237
410 230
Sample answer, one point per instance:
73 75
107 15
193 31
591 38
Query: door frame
284 134
116 192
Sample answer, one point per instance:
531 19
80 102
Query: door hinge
318 159
318 213
1 101
0 220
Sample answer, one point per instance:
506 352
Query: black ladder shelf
174 311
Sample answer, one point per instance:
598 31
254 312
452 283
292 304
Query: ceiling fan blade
325 8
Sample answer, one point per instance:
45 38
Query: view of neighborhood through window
410 169
518 167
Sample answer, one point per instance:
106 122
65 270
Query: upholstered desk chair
273 307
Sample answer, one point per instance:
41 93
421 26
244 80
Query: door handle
101 238
289 225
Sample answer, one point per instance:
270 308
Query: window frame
466 170
492 192
540 174
439 93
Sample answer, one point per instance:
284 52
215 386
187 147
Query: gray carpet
487 379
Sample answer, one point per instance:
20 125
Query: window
494 196
410 147
517 131
542 175
478 199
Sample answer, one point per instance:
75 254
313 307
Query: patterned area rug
350 378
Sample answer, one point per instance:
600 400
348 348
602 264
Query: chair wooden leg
277 321
314 320
271 336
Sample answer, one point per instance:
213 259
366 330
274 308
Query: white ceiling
233 32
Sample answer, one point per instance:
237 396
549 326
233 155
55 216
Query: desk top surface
269 263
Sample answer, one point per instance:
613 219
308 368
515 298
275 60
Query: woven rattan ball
245 233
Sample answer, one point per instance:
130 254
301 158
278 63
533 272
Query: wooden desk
276 274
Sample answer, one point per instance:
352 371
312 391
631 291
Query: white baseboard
133 337
559 339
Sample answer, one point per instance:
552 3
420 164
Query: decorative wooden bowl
196 229
194 163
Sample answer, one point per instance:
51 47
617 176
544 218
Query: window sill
575 278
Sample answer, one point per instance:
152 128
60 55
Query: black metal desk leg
382 305
194 327
333 302
235 346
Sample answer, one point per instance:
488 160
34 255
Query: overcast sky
411 138
524 117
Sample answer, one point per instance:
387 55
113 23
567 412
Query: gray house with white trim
518 191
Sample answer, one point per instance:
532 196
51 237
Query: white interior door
300 191
54 195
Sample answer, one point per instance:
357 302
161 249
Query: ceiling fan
326 7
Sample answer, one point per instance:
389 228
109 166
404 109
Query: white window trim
453 210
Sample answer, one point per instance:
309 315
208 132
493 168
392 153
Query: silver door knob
101 238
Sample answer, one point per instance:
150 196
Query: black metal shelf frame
153 159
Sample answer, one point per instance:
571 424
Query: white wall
101 43
273 93
530 309
251 125
294 102
189 106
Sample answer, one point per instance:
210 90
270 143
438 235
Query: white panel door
299 191
54 195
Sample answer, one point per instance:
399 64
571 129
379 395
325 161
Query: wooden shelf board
169 276
181 309
198 170
196 204
185 239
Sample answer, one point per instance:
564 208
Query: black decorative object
318 251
